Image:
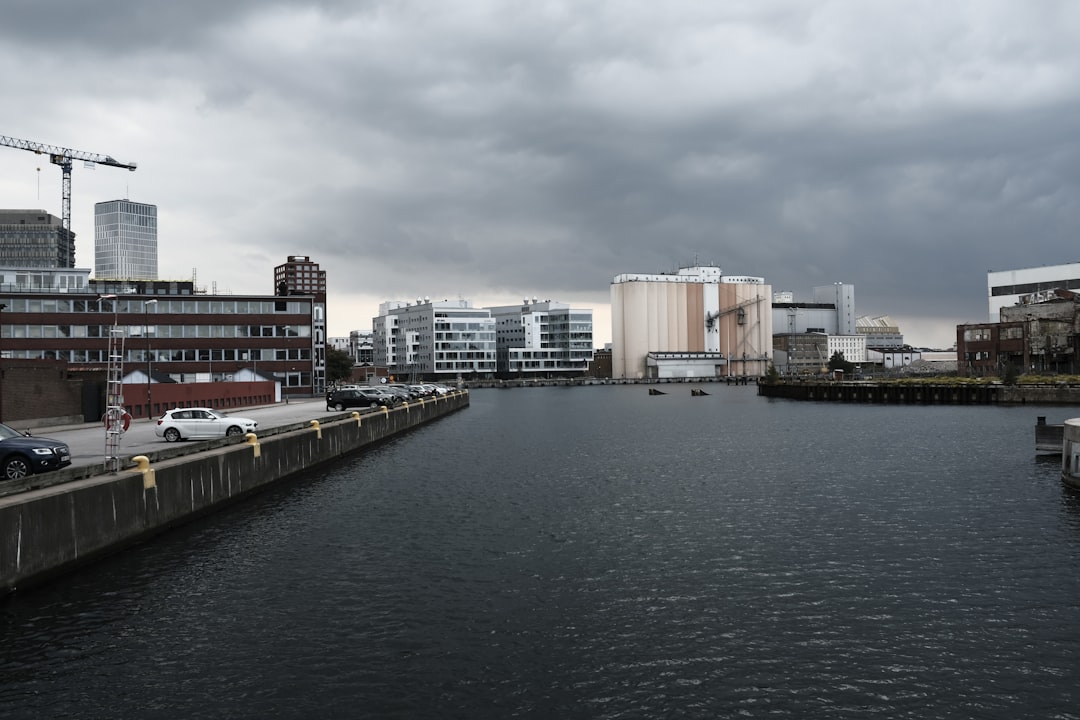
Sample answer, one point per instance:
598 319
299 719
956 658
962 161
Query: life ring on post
125 421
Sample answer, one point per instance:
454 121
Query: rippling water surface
597 553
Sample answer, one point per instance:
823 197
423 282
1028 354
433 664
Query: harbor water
597 552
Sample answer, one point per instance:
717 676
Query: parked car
22 455
364 397
201 424
402 390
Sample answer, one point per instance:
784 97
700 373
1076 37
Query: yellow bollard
318 430
356 415
253 441
149 480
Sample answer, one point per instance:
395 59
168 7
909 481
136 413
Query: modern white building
434 340
852 347
1005 288
125 241
542 339
725 320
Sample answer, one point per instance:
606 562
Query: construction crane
63 157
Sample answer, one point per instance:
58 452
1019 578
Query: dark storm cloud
480 148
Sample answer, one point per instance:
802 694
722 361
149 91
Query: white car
201 424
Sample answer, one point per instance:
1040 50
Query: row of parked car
388 395
22 455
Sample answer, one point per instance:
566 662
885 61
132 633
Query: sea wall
50 530
924 394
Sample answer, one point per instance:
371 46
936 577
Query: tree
339 365
772 375
1010 374
838 362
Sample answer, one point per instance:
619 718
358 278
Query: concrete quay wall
51 530
925 394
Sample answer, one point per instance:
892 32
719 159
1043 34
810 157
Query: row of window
464 367
156 331
1025 288
141 357
188 306
549 352
546 365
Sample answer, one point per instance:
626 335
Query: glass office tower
125 241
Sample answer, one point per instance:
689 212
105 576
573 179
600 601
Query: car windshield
7 433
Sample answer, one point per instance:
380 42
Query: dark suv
21 455
357 398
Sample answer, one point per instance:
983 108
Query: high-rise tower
125 241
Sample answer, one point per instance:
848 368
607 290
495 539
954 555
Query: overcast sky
496 150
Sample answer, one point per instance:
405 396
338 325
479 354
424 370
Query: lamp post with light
149 358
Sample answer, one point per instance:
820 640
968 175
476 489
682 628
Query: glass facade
125 240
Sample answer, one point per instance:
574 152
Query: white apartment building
853 347
1005 288
660 320
434 340
542 339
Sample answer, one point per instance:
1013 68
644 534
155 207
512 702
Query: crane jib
63 157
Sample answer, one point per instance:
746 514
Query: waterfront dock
923 393
71 517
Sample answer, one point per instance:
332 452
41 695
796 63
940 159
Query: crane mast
63 157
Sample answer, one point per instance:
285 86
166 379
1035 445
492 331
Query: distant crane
63 157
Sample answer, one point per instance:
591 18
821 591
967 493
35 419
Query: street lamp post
149 359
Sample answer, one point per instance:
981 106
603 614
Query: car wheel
374 405
339 407
234 431
16 468
172 435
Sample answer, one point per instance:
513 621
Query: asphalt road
87 442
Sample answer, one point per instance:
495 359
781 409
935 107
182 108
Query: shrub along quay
71 519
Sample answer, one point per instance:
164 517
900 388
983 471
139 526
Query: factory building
694 322
1005 288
